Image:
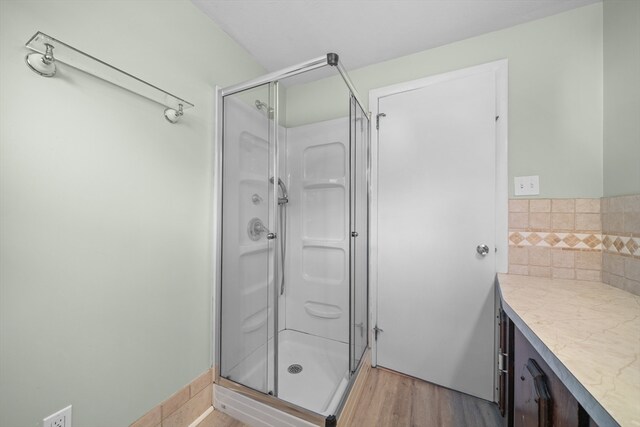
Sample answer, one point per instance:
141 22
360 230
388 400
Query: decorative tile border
583 239
588 241
623 245
556 238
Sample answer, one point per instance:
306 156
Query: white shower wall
317 270
314 165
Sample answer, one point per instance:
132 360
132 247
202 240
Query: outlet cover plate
62 418
527 185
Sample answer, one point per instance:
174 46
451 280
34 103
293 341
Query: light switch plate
527 185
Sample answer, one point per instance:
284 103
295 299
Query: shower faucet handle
255 228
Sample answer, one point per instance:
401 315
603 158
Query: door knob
482 249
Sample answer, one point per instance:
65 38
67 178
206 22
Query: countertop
589 334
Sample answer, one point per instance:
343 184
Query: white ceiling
279 33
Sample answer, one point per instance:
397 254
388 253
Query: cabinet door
534 406
505 367
532 376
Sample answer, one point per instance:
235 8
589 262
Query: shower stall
292 288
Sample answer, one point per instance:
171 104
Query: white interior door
435 205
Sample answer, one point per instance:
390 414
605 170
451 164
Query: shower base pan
323 378
313 374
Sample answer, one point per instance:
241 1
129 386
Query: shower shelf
324 183
68 55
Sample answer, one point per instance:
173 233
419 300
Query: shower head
283 188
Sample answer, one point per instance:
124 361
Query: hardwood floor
390 399
395 400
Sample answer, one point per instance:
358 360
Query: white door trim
502 185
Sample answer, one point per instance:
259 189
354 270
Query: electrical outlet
526 185
62 418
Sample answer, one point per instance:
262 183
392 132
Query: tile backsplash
557 238
621 242
584 239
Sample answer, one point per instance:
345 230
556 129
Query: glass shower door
359 325
248 245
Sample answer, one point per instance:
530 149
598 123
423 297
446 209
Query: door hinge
502 361
376 331
378 119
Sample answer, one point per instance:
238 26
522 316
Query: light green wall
555 95
621 97
106 210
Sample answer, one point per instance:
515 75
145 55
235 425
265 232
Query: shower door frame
216 353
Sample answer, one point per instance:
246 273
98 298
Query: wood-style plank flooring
390 399
220 419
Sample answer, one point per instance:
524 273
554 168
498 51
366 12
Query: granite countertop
589 334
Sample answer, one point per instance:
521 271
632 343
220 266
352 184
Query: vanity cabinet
530 393
505 368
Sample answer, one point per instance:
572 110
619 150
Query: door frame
500 68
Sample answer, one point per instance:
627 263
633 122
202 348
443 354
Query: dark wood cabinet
533 406
505 368
531 395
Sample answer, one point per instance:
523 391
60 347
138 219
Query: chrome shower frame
331 60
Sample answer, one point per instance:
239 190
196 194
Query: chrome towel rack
48 50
